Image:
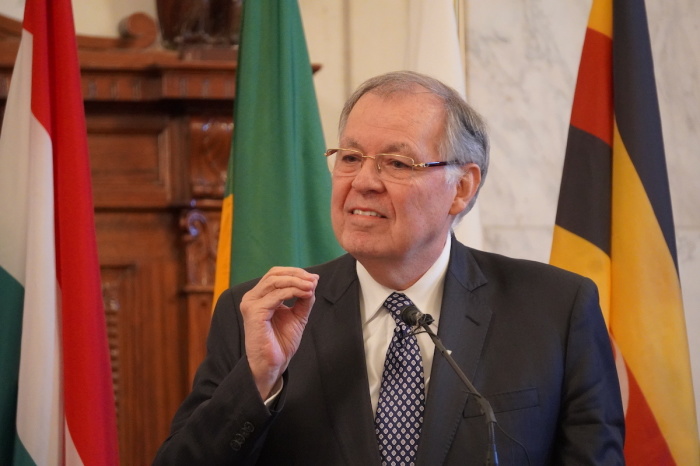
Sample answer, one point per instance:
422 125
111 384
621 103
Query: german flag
614 224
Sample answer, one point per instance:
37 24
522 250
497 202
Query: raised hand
273 330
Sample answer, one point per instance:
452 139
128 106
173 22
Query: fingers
278 285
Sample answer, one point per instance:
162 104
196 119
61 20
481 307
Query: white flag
433 49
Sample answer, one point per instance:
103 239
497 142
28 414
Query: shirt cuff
276 390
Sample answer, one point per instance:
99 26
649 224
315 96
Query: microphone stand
484 405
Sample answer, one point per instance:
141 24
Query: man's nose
368 176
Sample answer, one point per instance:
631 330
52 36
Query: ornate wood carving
209 153
209 22
200 227
112 297
200 241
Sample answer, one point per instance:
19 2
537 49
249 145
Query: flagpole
461 15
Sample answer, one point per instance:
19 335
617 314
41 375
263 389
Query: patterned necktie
402 393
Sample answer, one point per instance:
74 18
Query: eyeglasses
394 167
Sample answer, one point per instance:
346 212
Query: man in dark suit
298 370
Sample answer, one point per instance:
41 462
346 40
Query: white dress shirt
378 324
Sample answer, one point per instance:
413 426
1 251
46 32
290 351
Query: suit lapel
464 322
339 345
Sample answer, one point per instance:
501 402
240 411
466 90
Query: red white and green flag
56 397
614 224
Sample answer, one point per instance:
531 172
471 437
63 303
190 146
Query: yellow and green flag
276 205
614 224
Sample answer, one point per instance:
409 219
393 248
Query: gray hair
465 138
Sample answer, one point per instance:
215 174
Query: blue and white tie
402 393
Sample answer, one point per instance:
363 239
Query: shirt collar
426 293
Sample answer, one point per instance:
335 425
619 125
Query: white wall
522 59
92 17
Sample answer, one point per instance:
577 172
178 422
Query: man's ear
466 188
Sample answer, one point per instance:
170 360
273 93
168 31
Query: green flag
278 190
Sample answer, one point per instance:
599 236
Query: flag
433 49
56 397
614 224
277 199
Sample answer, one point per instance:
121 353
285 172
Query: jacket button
235 445
248 427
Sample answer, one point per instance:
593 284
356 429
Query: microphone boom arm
424 322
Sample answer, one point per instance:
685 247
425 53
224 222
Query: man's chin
362 247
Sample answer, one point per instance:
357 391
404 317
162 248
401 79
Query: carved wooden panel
210 22
133 160
200 228
140 260
210 143
118 296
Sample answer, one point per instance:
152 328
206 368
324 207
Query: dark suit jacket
529 336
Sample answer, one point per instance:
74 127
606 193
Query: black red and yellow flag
614 224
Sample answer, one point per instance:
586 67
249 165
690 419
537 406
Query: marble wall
522 59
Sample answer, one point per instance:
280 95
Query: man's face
395 222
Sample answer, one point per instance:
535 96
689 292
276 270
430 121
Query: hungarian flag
56 398
614 224
277 200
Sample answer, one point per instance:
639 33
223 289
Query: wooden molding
132 67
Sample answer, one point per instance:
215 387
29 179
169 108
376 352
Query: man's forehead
400 94
406 107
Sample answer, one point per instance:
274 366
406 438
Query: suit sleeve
223 420
591 420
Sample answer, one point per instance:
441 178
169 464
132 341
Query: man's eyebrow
392 148
350 143
398 148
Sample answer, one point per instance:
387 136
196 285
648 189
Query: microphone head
410 315
413 317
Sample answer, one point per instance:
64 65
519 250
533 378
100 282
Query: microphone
413 317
